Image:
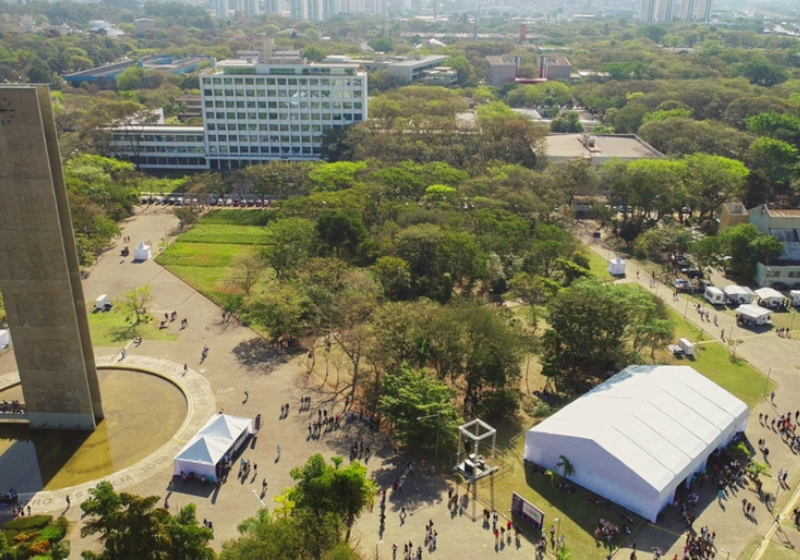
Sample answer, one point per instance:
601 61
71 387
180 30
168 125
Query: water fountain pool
142 412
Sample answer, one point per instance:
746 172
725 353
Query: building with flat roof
785 226
501 70
732 214
555 68
413 69
105 76
278 109
597 148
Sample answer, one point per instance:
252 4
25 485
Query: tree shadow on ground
260 355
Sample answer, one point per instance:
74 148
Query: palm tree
566 466
563 553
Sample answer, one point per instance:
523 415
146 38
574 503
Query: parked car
681 284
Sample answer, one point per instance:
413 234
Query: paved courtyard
239 360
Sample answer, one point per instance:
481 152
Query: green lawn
598 265
114 328
777 552
713 360
224 233
578 516
202 255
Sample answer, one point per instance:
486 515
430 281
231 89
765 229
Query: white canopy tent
757 314
739 294
616 267
770 296
635 438
142 252
5 338
220 435
794 295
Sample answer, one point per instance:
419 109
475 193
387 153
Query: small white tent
622 450
738 294
795 297
770 297
220 435
616 267
142 252
754 313
5 338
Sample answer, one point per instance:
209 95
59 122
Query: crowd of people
12 407
606 531
700 546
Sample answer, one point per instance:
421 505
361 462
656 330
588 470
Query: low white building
635 438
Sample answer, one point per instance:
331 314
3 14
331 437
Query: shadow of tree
259 355
123 333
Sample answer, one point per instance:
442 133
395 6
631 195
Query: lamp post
436 449
558 531
259 498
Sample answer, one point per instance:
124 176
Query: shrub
25 523
40 547
26 536
63 525
542 410
52 533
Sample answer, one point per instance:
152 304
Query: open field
114 327
598 266
715 362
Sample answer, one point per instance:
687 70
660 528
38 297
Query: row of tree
312 520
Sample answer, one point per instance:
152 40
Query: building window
794 274
773 273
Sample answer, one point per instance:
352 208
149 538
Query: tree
135 301
566 466
288 244
567 123
761 73
290 535
394 274
187 215
340 231
324 488
410 394
247 269
711 180
131 78
550 242
131 526
746 247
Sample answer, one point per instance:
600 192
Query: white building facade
159 147
280 109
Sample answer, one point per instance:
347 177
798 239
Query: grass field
114 328
715 362
204 255
777 552
598 265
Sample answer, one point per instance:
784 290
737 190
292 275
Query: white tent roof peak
224 427
753 311
143 246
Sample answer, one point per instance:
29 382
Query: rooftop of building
624 146
735 208
499 61
558 61
412 62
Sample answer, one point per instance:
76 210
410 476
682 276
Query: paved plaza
240 361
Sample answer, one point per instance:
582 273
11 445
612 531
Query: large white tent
220 435
635 438
5 338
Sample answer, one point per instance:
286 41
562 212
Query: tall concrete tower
704 10
664 11
39 271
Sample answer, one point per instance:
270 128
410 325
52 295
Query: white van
714 296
